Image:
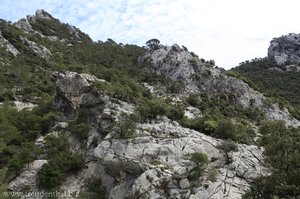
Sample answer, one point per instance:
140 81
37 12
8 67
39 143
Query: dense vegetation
18 131
282 146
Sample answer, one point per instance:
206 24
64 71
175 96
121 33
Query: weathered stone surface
73 91
184 183
28 178
8 46
36 48
24 105
24 25
285 49
163 157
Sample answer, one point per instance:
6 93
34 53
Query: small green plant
201 161
225 129
81 130
207 73
228 146
212 174
126 127
193 100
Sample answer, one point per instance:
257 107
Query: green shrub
175 113
210 127
81 130
175 87
196 77
126 127
212 174
152 108
207 73
74 162
201 161
50 176
282 156
61 161
192 100
196 123
228 146
225 129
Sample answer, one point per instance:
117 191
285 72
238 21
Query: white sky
228 31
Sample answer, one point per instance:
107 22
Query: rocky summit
87 119
285 50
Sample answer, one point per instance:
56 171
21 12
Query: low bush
201 161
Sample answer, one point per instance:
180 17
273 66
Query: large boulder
73 90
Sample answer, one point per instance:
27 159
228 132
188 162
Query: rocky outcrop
24 25
42 14
8 46
28 178
186 68
30 25
157 163
36 48
73 91
285 50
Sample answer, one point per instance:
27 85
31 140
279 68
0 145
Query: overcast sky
227 31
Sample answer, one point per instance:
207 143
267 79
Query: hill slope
107 120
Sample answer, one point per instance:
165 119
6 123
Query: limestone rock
162 160
27 179
182 66
8 46
285 49
73 91
36 48
24 25
40 13
184 183
24 105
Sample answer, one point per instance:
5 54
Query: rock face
30 25
158 162
27 178
36 48
8 46
73 91
285 50
181 66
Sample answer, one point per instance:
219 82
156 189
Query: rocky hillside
90 119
